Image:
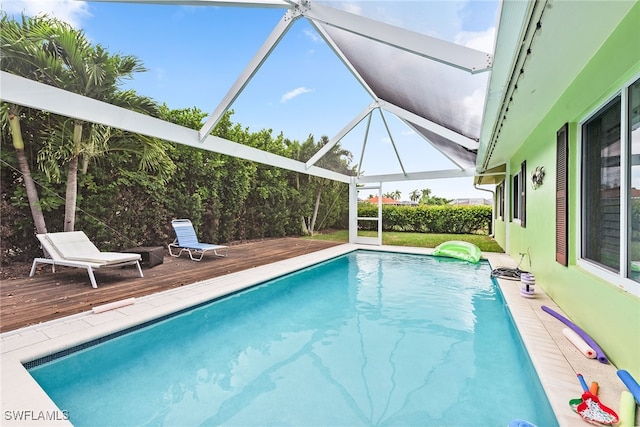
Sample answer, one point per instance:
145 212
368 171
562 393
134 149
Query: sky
194 54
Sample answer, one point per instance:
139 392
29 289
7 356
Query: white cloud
312 35
408 132
293 93
351 7
473 106
69 11
481 40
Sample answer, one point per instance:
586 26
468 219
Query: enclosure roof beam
328 146
452 54
233 3
26 92
414 176
445 154
451 135
345 61
254 65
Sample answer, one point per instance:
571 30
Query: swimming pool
367 338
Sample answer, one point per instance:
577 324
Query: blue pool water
368 338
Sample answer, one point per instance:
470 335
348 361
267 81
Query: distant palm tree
426 195
414 196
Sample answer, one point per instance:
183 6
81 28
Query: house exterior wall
610 315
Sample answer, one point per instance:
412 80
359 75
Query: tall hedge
428 218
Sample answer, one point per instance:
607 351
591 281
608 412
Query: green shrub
428 218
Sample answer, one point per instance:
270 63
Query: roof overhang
491 176
541 47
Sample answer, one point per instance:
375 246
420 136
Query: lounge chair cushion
76 246
74 249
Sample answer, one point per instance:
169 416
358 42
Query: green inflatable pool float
458 249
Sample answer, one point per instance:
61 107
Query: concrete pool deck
556 361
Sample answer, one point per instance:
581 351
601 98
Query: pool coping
556 361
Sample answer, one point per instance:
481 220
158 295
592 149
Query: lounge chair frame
187 241
95 259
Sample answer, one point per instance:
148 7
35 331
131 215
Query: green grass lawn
422 240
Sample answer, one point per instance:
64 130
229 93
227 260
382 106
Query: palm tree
414 196
395 195
61 56
11 114
337 160
426 195
90 72
19 55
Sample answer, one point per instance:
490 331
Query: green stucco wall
608 314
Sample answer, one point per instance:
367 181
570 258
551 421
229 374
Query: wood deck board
47 296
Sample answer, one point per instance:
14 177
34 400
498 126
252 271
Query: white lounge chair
187 241
74 249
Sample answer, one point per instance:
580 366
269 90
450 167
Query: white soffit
510 32
569 36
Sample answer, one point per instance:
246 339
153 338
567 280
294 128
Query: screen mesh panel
441 93
464 157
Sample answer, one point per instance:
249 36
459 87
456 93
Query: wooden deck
46 296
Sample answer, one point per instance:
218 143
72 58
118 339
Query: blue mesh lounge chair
187 241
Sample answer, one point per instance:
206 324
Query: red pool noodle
599 353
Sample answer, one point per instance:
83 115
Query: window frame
500 201
619 278
519 195
516 182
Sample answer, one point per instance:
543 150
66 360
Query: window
610 185
515 196
518 195
500 200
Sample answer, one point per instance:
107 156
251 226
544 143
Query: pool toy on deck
528 281
593 389
602 358
579 343
113 305
458 249
591 409
627 410
631 383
